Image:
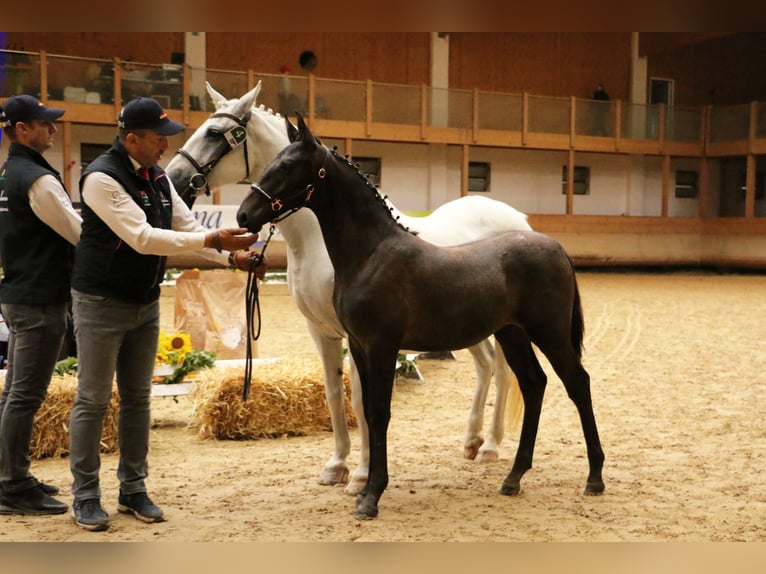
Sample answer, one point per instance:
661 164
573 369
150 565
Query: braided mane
371 186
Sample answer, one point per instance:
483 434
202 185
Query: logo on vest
145 197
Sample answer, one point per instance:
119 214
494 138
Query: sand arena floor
677 367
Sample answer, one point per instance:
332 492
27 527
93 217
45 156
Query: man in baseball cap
147 114
39 228
25 108
133 218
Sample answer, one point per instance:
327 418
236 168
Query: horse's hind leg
532 381
474 445
577 383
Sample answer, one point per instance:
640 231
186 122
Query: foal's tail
578 324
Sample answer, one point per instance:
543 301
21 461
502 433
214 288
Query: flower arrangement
176 351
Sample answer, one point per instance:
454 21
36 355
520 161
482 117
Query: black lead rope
253 313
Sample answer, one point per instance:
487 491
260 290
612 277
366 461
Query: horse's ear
249 98
304 132
218 99
292 131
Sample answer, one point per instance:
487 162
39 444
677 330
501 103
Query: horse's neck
268 132
302 233
353 218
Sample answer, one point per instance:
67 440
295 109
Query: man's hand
230 239
243 259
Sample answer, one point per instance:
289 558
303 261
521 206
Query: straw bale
50 436
287 398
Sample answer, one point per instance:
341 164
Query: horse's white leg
359 477
484 361
331 352
508 407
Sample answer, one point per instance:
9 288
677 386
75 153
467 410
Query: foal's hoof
365 509
510 488
594 488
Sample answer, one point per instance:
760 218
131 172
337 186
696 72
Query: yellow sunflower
172 349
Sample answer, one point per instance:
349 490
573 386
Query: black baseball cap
147 114
25 108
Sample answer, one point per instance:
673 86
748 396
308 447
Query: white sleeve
109 200
51 203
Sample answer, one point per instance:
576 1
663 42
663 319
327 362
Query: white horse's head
234 144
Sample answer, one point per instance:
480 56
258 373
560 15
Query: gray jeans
112 337
36 334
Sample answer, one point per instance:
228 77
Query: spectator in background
38 231
601 110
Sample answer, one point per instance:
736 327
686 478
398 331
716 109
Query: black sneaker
140 506
49 489
31 501
89 514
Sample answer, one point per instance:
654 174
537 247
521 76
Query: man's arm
51 203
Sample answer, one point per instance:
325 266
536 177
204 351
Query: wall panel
551 63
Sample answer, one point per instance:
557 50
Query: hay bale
287 398
50 437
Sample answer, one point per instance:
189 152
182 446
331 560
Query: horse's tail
578 324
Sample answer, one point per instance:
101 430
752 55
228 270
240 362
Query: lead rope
253 313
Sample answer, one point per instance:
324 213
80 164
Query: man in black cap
132 219
38 231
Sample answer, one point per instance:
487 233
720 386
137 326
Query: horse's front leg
376 371
359 477
331 352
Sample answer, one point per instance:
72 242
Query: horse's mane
371 186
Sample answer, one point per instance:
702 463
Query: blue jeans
112 337
36 335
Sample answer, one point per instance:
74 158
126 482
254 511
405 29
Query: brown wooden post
423 110
43 76
368 111
66 137
704 187
665 182
464 169
570 181
117 86
524 117
750 186
475 115
572 121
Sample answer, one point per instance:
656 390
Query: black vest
36 260
105 265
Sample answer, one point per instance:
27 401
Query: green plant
193 361
407 368
66 366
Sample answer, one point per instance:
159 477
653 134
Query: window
478 175
686 183
742 187
369 166
581 180
90 151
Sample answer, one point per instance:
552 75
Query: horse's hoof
366 511
487 456
333 476
471 450
509 489
356 486
594 488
